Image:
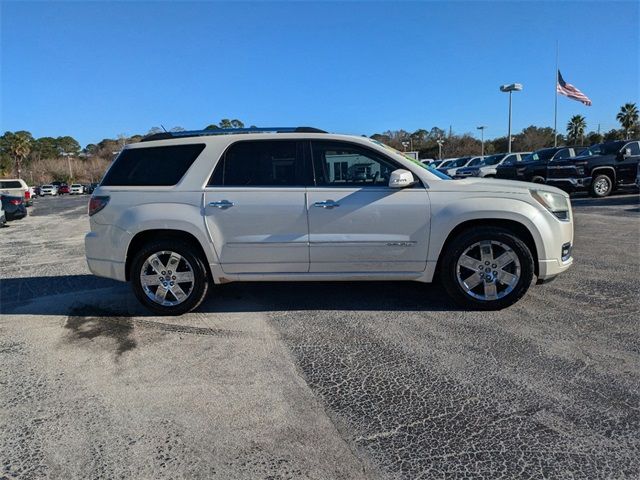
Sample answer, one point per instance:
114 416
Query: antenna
165 130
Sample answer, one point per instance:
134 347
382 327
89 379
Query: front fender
447 215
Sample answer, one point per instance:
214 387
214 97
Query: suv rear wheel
601 186
168 278
487 269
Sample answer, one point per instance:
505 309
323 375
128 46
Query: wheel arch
607 170
143 237
518 228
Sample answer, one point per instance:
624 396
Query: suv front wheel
168 278
487 269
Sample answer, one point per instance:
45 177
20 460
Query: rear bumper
102 259
107 268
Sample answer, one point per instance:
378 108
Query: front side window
562 154
338 164
634 147
260 163
152 166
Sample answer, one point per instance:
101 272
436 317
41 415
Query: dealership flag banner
568 90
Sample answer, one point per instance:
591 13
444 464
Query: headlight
555 203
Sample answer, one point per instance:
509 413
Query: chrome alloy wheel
167 278
601 187
488 270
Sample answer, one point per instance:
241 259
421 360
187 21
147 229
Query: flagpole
555 109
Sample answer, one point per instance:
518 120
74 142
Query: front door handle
221 204
326 204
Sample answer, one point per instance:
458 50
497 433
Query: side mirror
626 153
401 178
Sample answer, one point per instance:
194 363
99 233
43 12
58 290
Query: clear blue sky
97 69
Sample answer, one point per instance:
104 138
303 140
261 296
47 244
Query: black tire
455 249
601 186
200 276
538 179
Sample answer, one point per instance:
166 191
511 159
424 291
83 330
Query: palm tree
19 147
576 128
628 117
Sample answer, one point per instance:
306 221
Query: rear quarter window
152 166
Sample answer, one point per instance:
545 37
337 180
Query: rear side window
10 184
152 166
260 164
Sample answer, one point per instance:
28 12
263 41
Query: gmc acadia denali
181 211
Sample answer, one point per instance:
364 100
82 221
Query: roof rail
229 131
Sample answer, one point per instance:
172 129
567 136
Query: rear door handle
221 204
326 204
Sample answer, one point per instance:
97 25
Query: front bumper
570 184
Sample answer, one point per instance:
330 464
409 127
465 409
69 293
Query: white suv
180 211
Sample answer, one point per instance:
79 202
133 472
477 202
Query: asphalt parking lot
318 380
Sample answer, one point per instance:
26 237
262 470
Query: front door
255 208
627 166
356 222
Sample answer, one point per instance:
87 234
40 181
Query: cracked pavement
318 380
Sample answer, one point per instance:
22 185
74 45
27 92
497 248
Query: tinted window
602 149
152 166
260 164
346 165
10 184
633 146
493 159
564 153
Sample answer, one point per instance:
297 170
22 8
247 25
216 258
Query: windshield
602 149
476 162
493 159
461 162
430 168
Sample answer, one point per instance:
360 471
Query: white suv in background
488 167
180 211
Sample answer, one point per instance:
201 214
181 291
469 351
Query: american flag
568 90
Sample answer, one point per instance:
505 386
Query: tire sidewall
595 181
200 286
466 239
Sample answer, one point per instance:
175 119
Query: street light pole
481 128
513 87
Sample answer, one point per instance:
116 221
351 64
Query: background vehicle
600 169
3 217
16 187
489 165
91 187
451 166
471 162
533 168
48 190
76 189
63 189
14 207
247 205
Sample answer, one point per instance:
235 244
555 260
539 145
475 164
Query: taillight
15 201
27 195
97 203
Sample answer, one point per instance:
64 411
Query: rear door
356 222
255 208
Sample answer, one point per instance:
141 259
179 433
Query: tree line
45 159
